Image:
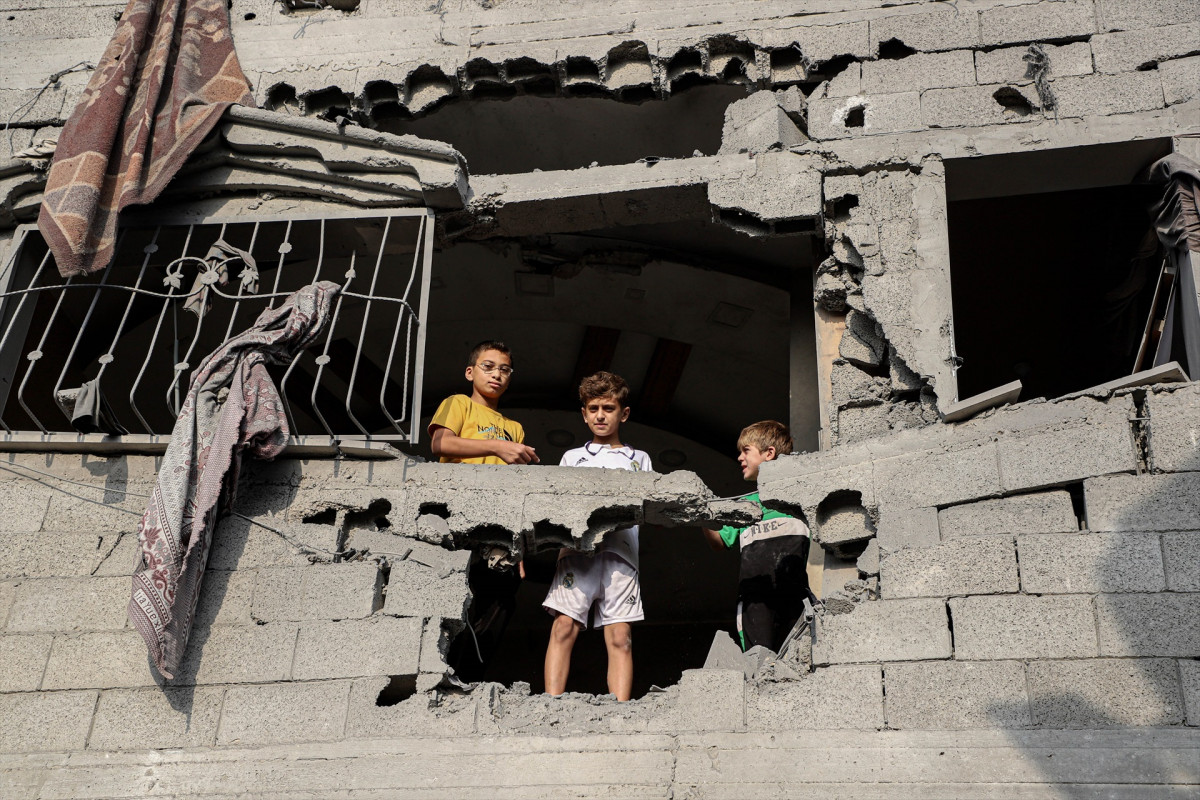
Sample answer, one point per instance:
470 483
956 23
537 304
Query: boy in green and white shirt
773 580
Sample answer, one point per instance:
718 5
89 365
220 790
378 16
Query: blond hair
767 433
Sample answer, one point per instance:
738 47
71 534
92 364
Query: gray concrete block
712 700
1086 563
884 630
333 591
284 713
966 566
39 554
156 719
1189 671
943 29
1123 15
918 71
862 342
65 604
820 42
881 113
1036 22
24 659
122 559
238 544
435 642
358 648
1180 80
832 698
237 654
1126 51
1143 502
45 722
453 715
757 124
1040 512
102 660
952 695
1181 556
1097 693
1019 626
66 512
8 593
1101 95
225 598
1096 443
414 590
1166 624
1008 65
23 506
946 476
1174 429
972 106
899 528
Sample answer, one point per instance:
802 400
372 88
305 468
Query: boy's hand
515 453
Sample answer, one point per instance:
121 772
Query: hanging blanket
166 78
231 405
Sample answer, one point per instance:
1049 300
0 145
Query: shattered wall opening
1051 283
527 133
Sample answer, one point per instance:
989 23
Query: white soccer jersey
623 542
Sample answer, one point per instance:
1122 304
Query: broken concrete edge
1001 395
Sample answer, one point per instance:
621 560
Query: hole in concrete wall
329 102
1053 264
398 689
551 536
281 96
894 49
437 509
373 517
251 16
1075 492
839 208
843 524
856 116
327 516
789 66
525 133
1013 102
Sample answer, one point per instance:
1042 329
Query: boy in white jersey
609 578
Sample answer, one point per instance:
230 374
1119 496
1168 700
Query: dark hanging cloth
1177 222
166 78
232 405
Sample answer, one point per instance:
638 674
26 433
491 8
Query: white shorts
606 580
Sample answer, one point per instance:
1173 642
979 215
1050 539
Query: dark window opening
521 134
1047 287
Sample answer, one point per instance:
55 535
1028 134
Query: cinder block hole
550 536
788 58
685 60
437 509
741 221
373 517
612 515
894 49
398 689
327 516
1075 492
856 117
1013 102
281 95
251 16
583 69
794 227
843 524
734 70
331 102
839 208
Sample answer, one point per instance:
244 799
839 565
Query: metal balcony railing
174 293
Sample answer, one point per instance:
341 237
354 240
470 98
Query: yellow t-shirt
472 420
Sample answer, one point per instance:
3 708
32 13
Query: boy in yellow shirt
470 430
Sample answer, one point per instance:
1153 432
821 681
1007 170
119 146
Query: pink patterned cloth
232 405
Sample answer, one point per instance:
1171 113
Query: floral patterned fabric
167 76
232 405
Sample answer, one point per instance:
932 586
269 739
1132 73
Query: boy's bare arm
714 539
449 444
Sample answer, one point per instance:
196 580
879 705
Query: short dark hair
767 433
483 347
603 384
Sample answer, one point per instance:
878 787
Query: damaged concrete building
954 245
